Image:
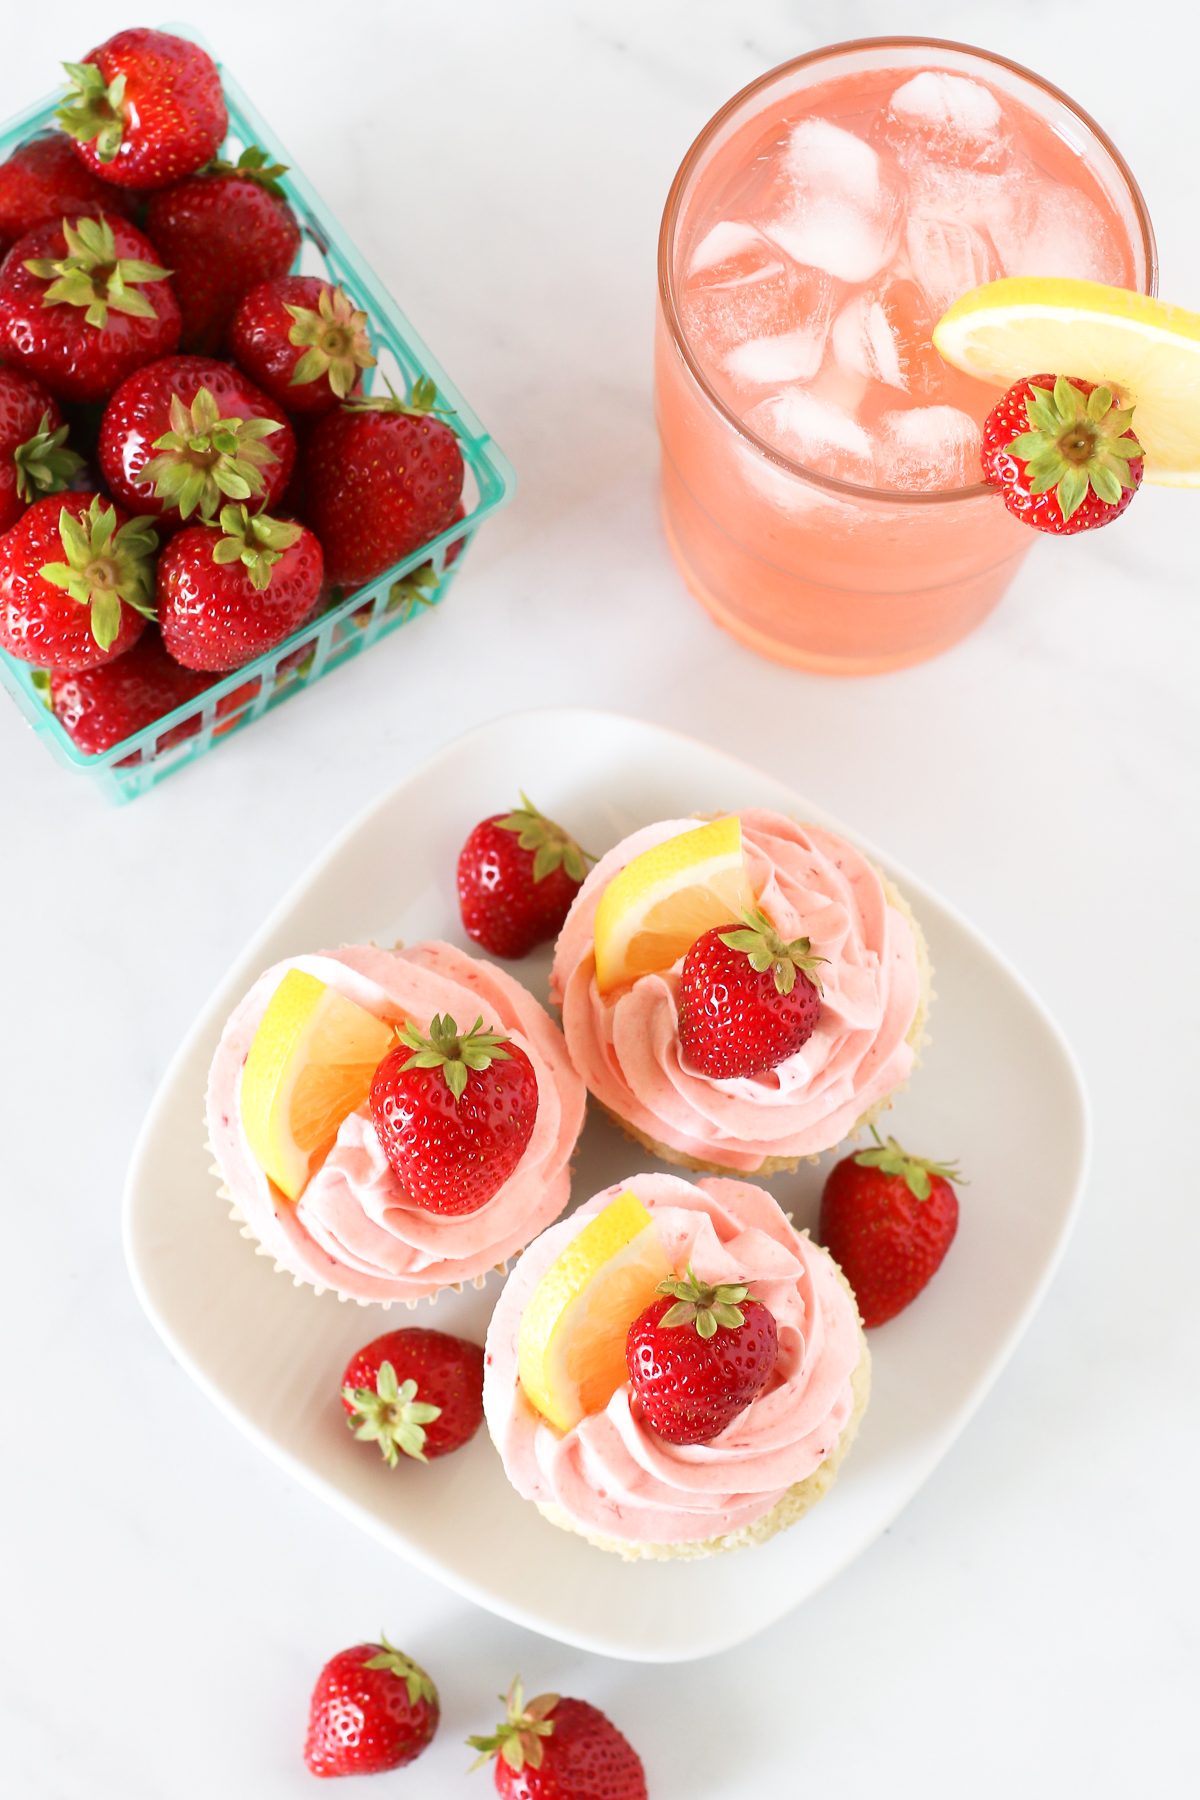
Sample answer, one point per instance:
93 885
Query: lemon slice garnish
660 903
1146 351
571 1341
310 1066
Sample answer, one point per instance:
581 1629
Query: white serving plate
999 1089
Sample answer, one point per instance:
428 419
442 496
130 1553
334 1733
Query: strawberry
559 1749
747 1000
83 304
382 476
85 610
34 459
888 1219
44 181
372 1709
518 873
223 232
699 1356
146 108
454 1114
302 341
209 425
227 594
1063 454
99 707
415 1391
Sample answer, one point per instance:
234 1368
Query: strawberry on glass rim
698 1356
1062 454
76 582
146 107
454 1113
747 1000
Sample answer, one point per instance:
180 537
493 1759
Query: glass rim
670 220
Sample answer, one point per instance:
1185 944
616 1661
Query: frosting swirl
354 1228
611 1474
626 1045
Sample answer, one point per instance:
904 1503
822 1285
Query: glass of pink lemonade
822 489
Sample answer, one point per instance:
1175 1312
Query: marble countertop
1028 1623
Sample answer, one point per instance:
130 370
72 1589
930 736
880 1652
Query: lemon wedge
571 1341
1146 351
310 1066
654 910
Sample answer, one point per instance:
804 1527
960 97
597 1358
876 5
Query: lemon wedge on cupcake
654 910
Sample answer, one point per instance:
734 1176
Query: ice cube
946 117
834 203
928 447
815 433
949 257
1048 229
884 334
788 356
753 316
727 240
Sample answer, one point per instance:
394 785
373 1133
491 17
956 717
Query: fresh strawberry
1063 454
76 581
518 873
223 232
99 707
699 1356
229 593
210 427
888 1219
44 182
83 304
382 476
145 108
302 341
454 1114
34 459
372 1709
747 1000
559 1749
415 1391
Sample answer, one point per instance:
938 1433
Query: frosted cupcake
852 945
561 1332
310 1165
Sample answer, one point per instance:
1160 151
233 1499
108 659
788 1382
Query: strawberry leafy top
204 457
709 1308
255 540
334 338
43 462
93 275
391 1416
552 846
105 567
94 109
1076 442
519 1739
890 1159
767 950
421 402
418 1683
453 1054
255 164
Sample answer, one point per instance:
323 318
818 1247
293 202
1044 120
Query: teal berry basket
352 624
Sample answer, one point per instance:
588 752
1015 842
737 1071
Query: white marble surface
1029 1623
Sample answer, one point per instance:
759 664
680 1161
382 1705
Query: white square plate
999 1089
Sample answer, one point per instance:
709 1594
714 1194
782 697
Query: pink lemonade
821 481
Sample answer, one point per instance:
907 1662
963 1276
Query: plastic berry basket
353 624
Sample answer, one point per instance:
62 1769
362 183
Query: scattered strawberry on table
518 873
747 1000
1063 454
553 1748
888 1219
76 576
454 1113
373 1709
415 1392
228 591
34 458
698 1356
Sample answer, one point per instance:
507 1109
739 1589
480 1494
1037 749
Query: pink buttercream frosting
354 1228
612 1474
626 1044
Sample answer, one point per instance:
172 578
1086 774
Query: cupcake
620 974
610 1475
351 1222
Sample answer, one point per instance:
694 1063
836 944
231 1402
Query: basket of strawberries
227 462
